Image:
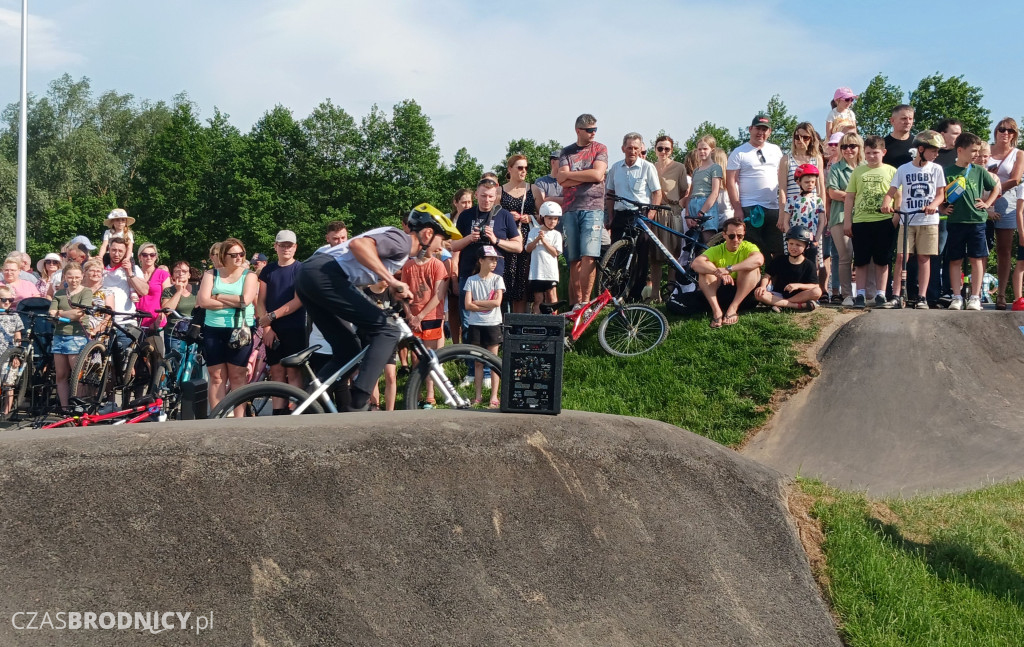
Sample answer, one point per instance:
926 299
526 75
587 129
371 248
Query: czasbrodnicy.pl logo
154 622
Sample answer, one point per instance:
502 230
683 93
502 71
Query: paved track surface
412 528
908 401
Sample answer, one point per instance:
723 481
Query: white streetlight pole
21 229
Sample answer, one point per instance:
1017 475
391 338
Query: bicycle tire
454 362
91 372
616 277
632 330
247 394
18 387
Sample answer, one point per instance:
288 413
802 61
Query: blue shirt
504 226
279 283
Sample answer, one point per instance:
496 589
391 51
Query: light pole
20 228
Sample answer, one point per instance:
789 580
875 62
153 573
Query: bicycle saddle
548 308
300 358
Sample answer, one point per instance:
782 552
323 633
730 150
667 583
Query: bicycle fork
451 395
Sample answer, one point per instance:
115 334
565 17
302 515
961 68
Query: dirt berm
418 528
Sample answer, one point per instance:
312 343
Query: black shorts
965 239
873 242
1020 252
216 350
484 336
292 341
542 286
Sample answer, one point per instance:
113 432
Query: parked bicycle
104 370
446 367
27 385
627 331
148 409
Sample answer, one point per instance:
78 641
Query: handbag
241 334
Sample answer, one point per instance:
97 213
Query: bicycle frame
141 413
582 318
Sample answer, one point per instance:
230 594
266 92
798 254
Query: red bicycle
149 408
629 330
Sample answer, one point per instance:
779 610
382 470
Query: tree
937 98
723 138
874 106
463 173
783 123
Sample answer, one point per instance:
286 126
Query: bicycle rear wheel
91 372
257 400
618 268
454 361
632 330
14 376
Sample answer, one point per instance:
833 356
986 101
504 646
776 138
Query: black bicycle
27 384
619 267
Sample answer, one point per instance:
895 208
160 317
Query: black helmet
426 215
801 233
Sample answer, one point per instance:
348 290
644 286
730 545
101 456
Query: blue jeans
583 231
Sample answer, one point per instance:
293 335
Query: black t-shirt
279 283
783 273
897 151
504 226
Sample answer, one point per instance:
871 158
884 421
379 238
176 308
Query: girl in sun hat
118 224
841 116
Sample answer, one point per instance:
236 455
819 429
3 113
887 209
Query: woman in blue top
227 294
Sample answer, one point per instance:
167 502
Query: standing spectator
462 200
86 248
550 189
124 280
427 277
752 180
215 263
871 230
806 150
636 179
521 199
729 272
482 300
227 295
50 275
25 264
899 143
11 326
68 338
158 280
485 224
1007 162
12 278
259 261
179 296
581 172
674 188
852 151
808 210
280 313
725 210
119 225
705 189
94 273
337 232
950 129
545 246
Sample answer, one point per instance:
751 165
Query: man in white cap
280 313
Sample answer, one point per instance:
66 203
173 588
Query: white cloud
46 50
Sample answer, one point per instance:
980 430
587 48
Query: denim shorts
1007 210
68 344
583 231
966 239
696 202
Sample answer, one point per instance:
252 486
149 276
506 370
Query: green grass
716 383
944 570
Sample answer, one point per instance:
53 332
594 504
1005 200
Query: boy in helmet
793 278
807 209
920 182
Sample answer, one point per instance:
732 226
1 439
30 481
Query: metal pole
21 228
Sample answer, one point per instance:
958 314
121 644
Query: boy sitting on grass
794 278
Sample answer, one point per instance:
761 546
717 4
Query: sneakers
848 303
974 303
838 299
922 305
893 303
880 301
466 382
859 301
957 303
487 382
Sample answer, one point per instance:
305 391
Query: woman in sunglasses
851 150
806 149
1007 162
227 294
674 186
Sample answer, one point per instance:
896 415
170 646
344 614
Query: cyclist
330 286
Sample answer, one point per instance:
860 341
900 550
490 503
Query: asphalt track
908 402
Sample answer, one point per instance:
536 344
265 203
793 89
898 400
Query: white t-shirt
544 265
758 180
129 237
116 282
637 182
483 290
919 186
840 120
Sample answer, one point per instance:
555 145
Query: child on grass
871 230
545 244
794 278
427 277
482 304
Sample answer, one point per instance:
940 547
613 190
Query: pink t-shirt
23 290
151 302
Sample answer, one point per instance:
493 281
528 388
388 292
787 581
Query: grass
716 383
943 570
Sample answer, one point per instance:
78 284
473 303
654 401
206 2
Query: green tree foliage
874 105
8 202
723 138
463 173
937 98
783 123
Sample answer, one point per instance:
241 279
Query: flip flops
730 320
716 322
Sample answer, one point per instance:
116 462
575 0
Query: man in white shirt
121 278
637 179
752 181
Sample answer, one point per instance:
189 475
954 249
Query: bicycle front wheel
632 330
14 375
257 400
91 373
617 270
455 362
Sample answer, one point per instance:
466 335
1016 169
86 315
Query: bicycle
630 330
103 368
149 408
183 358
446 367
620 263
27 384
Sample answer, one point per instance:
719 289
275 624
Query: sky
487 73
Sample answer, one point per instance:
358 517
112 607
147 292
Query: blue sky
486 74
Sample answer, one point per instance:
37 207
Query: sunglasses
803 138
735 236
147 254
236 254
6 300
663 149
847 147
51 261
1003 129
760 156
591 130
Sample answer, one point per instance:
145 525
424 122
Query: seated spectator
729 272
793 278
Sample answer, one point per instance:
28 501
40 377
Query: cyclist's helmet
426 215
801 233
929 138
805 169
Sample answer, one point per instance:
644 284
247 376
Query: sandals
716 322
730 320
494 404
1001 302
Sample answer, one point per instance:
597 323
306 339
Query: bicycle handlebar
35 315
639 205
104 310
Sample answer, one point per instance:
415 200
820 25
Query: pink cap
843 93
835 138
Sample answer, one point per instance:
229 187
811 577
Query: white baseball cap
286 236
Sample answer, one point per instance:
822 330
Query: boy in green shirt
873 234
967 215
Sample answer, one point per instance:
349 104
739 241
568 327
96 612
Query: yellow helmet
427 215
